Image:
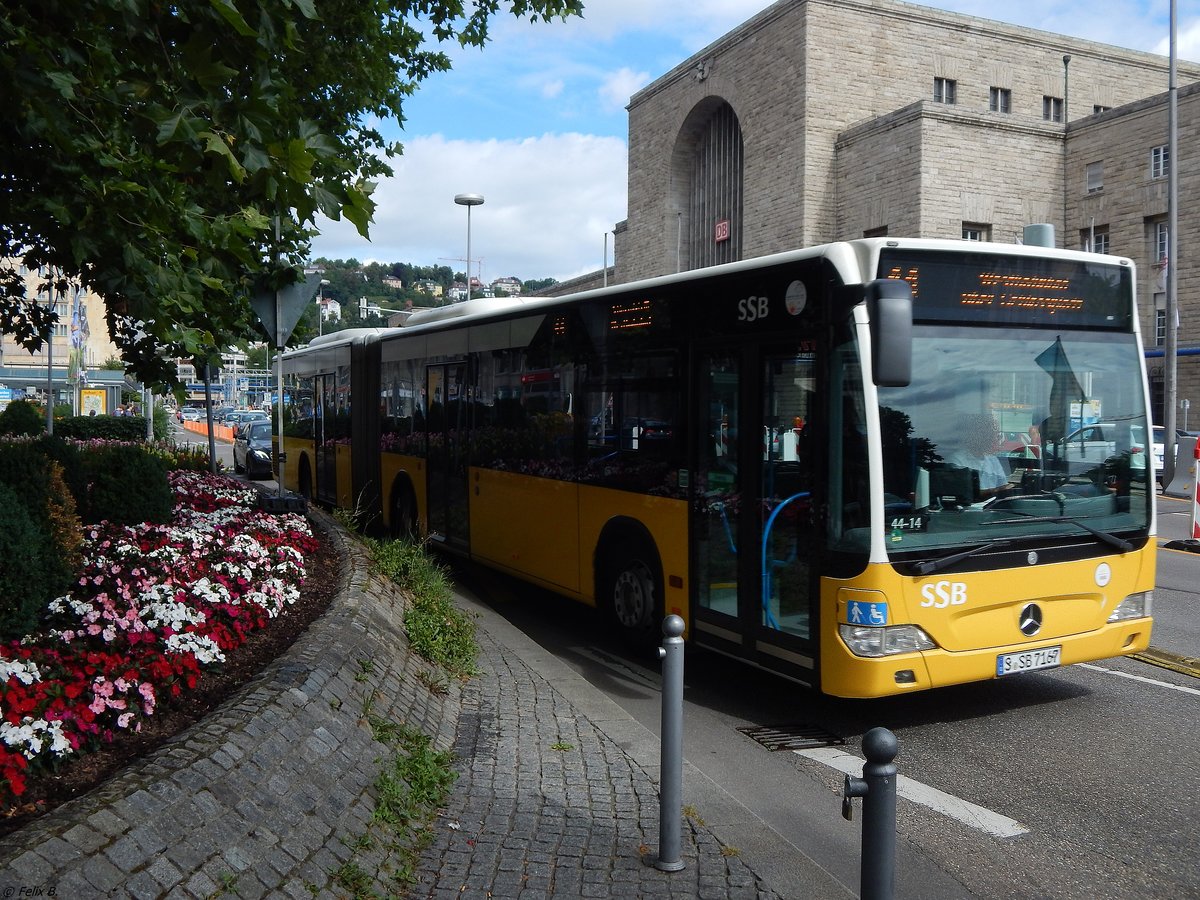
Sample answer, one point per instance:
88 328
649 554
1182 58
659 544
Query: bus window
633 439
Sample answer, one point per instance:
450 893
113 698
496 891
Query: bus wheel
632 594
404 513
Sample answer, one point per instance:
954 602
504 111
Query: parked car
1091 445
252 450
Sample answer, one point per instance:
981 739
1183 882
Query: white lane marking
939 801
1154 681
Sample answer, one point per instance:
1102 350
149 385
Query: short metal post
670 803
877 787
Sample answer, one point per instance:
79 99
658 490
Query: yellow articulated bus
869 466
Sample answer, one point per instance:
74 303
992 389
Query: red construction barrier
1196 491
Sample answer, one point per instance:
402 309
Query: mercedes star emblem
1031 620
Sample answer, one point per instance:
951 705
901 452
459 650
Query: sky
536 123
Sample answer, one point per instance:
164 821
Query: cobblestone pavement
273 794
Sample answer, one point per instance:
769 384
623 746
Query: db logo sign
721 232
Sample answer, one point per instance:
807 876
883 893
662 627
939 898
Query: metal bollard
670 802
877 787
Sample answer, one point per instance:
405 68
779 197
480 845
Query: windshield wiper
1120 543
929 566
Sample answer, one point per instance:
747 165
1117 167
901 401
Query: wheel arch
402 489
617 532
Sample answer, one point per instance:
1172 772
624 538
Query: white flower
25 672
204 648
30 735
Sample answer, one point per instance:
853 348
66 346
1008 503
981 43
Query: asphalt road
1074 783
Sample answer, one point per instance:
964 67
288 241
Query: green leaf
231 15
255 159
65 82
215 143
176 127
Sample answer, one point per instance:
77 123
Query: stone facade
1129 203
843 135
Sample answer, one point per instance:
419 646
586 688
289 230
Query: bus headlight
886 641
1135 606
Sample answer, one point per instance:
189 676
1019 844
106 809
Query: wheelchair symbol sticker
859 612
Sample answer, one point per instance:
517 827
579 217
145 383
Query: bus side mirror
889 309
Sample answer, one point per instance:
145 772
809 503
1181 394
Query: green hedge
40 535
108 428
21 417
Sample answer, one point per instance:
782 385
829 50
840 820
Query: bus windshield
1011 434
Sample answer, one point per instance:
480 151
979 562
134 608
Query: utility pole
1171 348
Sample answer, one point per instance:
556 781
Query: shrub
111 428
21 417
122 483
25 588
41 532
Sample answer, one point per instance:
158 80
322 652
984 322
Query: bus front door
448 444
752 517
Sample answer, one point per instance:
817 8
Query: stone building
72 362
821 120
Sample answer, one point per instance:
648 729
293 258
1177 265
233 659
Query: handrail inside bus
766 574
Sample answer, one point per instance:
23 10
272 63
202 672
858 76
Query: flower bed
153 606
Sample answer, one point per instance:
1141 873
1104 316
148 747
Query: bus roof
854 260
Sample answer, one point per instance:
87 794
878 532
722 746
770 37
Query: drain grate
791 737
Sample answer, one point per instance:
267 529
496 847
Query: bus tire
404 512
631 592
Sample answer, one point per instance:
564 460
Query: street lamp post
468 200
321 307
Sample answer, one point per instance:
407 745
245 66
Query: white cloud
617 87
1187 41
547 204
552 89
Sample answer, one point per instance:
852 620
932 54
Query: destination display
1013 290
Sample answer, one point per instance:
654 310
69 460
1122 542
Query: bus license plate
1028 660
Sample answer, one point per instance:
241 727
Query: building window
1160 161
973 231
1160 242
1095 177
945 90
1097 108
1094 239
1160 320
1052 109
1001 100
881 231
